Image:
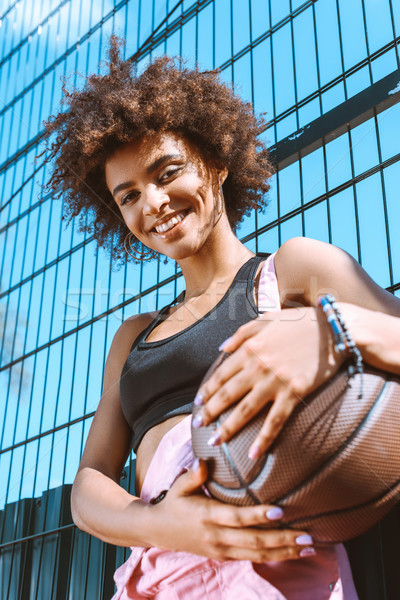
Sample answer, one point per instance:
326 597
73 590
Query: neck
216 262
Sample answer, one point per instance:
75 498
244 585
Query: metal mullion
296 99
214 36
328 211
385 209
394 32
197 37
39 436
251 56
87 566
232 47
278 202
36 536
366 40
341 49
355 196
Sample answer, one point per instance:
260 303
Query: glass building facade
327 75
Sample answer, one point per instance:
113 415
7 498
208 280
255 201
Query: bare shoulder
124 338
306 268
109 441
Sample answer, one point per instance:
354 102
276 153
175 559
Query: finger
192 480
223 373
241 335
249 406
279 413
262 545
263 555
230 392
243 516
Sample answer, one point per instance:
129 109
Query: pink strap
268 291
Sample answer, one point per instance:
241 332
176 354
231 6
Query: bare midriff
148 446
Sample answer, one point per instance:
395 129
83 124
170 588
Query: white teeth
169 224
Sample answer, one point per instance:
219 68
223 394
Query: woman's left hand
278 358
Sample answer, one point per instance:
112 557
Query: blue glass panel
305 54
46 312
384 65
58 458
316 222
338 161
332 97
42 465
353 34
262 77
291 228
364 146
379 23
131 35
392 178
358 81
328 40
30 454
279 10
283 69
189 39
289 188
259 18
343 222
241 25
309 112
242 75
15 475
223 27
5 464
205 38
388 122
313 175
50 392
174 44
374 251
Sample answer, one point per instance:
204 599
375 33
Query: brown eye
129 197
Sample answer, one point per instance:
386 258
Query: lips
168 224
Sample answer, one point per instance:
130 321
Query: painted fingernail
304 540
214 440
198 400
307 552
254 452
274 513
225 343
196 464
197 421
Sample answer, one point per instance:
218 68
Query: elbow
75 504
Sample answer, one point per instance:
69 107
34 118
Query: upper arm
109 440
307 268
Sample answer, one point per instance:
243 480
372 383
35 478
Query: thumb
192 480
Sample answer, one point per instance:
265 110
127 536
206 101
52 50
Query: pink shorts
165 575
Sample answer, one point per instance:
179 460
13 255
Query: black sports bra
159 379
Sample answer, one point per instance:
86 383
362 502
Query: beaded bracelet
344 343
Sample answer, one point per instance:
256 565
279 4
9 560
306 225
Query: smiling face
166 193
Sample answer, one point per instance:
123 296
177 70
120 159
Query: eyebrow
154 165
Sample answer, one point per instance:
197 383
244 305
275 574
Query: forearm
376 334
101 507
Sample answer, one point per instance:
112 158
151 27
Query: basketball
335 467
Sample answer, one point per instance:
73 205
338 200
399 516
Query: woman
169 162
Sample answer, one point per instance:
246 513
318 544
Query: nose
154 199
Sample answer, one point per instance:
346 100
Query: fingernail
197 421
214 440
225 343
274 513
198 400
304 540
196 464
307 552
254 451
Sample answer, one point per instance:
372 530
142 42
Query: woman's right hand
186 520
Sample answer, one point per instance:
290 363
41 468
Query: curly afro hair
121 107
